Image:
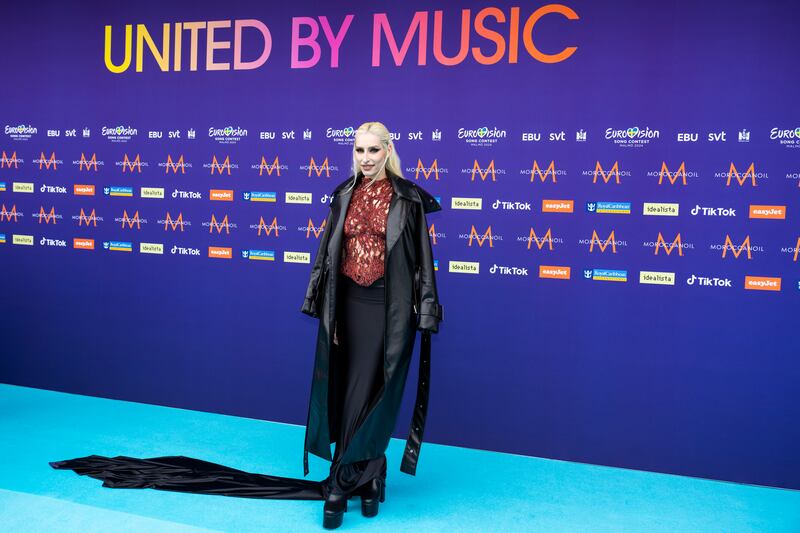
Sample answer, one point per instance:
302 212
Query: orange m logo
672 177
47 216
546 238
603 245
434 169
312 165
536 171
486 235
130 165
8 161
660 242
432 233
220 225
47 162
90 220
5 214
275 166
729 246
796 248
174 166
477 168
169 222
87 163
225 165
732 173
613 172
131 221
311 229
268 229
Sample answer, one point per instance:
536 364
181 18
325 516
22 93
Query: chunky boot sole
370 506
332 520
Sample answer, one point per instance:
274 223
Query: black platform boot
371 494
334 509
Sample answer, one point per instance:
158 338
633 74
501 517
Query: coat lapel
398 214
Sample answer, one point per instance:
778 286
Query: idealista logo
50 163
47 216
656 278
7 214
483 136
609 208
190 195
319 168
24 240
82 189
88 164
219 225
603 244
466 203
342 137
554 272
269 168
259 196
82 244
119 134
21 132
741 178
296 257
58 243
312 229
489 171
152 192
220 252
125 219
220 168
760 283
660 244
427 171
605 274
298 198
175 165
118 246
258 255
661 210
613 173
464 267
768 212
632 137
786 137
6 161
117 190
151 248
227 135
546 239
23 187
52 189
703 281
550 171
511 206
737 250
268 228
174 223
508 271
89 220
558 206
481 238
666 176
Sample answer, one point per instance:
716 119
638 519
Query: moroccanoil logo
6 214
662 244
759 283
270 168
129 165
603 244
219 252
169 222
672 176
131 221
6 161
47 163
796 249
558 206
427 171
432 234
536 171
318 169
473 234
83 190
315 230
770 212
483 172
741 178
554 272
219 225
268 229
89 220
88 164
220 167
612 173
547 238
47 216
174 166
737 250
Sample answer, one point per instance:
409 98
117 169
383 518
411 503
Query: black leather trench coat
411 303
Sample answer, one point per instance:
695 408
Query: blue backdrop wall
617 253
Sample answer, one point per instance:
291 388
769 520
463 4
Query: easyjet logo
603 244
6 162
612 173
225 166
483 172
318 169
547 238
661 243
219 225
83 190
274 167
169 222
47 217
760 283
268 229
672 176
558 206
6 214
225 195
473 234
554 272
175 165
87 164
129 166
218 252
427 171
83 244
131 221
769 212
549 171
741 178
90 220
316 231
736 250
47 163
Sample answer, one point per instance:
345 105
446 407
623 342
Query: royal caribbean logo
679 175
259 196
21 133
227 135
632 137
342 137
270 168
87 164
2 186
119 134
175 165
319 168
117 190
118 246
605 274
609 208
614 173
9 161
790 138
427 171
258 255
749 175
549 172
483 136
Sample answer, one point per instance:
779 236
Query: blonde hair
392 161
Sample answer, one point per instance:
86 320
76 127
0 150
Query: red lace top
365 231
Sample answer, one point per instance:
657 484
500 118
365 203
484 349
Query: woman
372 286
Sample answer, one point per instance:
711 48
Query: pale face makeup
370 155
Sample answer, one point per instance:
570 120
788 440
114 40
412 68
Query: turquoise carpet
456 489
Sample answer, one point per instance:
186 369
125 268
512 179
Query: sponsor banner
664 210
466 203
83 244
224 195
220 252
24 240
298 197
151 248
259 196
296 257
118 191
2 186
558 206
759 283
22 187
464 267
609 208
605 274
770 212
152 192
2 238
436 264
657 278
554 272
259 255
118 246
83 190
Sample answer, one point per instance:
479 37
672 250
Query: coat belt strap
414 442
